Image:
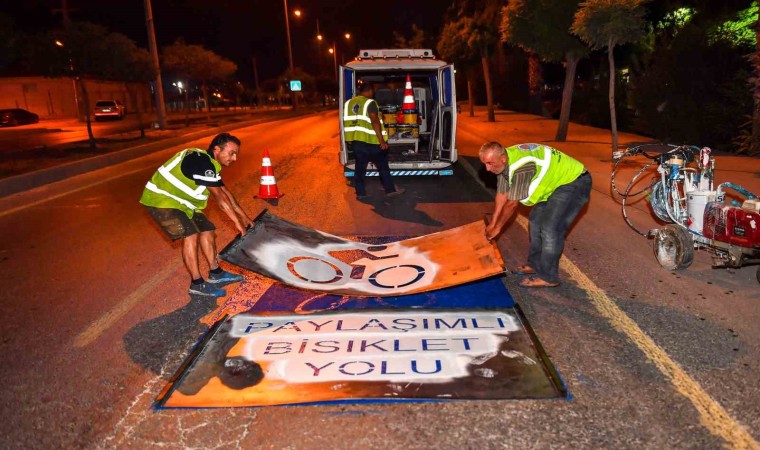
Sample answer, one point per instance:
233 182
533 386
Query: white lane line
68 192
89 335
711 414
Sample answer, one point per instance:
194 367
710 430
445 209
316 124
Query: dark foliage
694 91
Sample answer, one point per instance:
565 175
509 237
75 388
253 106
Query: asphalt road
96 318
53 132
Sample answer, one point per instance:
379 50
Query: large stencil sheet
385 355
313 260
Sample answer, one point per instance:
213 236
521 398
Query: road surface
97 319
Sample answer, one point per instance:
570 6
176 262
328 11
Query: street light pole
334 51
160 107
319 50
290 50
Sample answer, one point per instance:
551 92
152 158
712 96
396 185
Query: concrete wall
55 97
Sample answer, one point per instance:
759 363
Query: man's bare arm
503 211
220 195
378 130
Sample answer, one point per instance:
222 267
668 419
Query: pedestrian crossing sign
295 85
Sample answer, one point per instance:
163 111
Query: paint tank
696 201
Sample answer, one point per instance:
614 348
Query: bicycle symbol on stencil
360 267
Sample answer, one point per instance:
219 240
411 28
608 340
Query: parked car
110 108
17 116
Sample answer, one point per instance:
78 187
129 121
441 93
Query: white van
425 145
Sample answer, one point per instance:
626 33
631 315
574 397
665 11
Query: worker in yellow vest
365 133
554 184
175 198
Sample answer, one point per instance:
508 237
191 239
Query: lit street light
335 60
290 47
73 79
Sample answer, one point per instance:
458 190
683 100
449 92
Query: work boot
224 278
206 289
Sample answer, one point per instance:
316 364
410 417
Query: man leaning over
176 196
554 184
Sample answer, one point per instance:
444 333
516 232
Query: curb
31 180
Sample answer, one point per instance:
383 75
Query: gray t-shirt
519 189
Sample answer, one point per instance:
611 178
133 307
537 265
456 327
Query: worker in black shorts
177 194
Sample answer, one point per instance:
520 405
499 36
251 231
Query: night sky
242 29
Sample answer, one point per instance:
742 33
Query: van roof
389 59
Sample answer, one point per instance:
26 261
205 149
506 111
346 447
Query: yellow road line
121 309
711 414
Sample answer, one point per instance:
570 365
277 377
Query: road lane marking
711 414
69 192
105 321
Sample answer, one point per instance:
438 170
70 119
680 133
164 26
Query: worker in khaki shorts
554 184
176 196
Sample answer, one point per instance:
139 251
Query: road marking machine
722 220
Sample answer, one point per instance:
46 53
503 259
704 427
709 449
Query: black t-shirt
198 167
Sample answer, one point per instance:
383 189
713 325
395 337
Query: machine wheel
673 247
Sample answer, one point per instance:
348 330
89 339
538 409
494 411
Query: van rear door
447 114
345 93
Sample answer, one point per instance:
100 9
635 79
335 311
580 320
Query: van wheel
673 247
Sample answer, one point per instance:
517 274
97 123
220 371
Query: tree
83 50
453 47
542 27
480 31
131 64
193 62
417 40
608 23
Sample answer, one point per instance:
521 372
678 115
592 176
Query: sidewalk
23 170
592 146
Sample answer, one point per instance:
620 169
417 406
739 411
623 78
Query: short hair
364 86
492 146
221 139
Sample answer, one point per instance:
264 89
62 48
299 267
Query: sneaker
398 191
224 278
206 289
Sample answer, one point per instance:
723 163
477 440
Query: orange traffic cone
268 184
408 96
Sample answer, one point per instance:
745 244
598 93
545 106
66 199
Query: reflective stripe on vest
358 127
553 169
170 188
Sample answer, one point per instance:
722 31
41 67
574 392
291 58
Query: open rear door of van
447 113
345 93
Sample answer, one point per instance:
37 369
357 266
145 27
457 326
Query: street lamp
73 78
335 60
334 52
290 47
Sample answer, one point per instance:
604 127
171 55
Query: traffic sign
295 85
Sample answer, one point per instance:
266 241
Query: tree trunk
86 101
187 104
613 117
535 81
567 97
204 89
755 141
489 92
470 98
138 109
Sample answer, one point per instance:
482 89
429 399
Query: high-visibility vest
357 126
553 169
170 188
